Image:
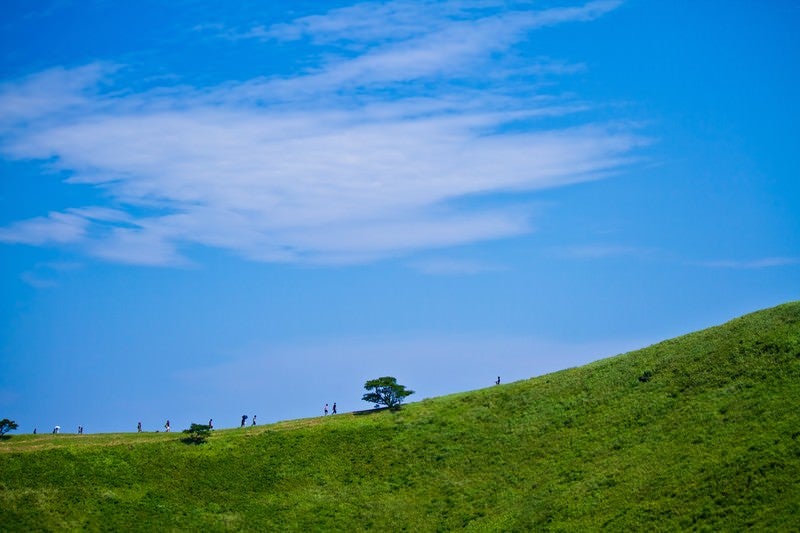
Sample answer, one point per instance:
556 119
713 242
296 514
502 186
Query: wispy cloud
36 281
44 275
405 40
54 228
371 23
766 262
359 158
601 251
57 90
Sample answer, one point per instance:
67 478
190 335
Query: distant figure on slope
244 418
34 431
56 430
139 427
80 430
254 421
326 409
210 423
166 427
334 408
498 381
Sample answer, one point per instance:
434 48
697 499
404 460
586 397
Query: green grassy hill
699 432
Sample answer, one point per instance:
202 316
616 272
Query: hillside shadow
374 411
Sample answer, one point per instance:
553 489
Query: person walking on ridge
244 418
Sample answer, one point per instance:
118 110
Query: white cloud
140 246
401 41
56 90
57 228
368 23
307 168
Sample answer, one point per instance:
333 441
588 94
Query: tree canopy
385 391
7 425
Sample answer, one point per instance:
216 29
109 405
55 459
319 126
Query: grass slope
707 439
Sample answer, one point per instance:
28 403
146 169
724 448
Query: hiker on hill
326 409
80 430
334 408
498 381
254 421
166 427
244 418
139 427
210 423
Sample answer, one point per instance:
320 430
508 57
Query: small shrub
196 434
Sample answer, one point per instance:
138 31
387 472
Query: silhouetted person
326 409
139 427
498 381
210 423
244 418
34 431
254 420
334 408
166 427
80 430
56 430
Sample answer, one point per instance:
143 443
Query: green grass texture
697 433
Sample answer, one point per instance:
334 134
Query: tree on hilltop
385 391
7 425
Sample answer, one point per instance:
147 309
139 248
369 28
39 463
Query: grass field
701 432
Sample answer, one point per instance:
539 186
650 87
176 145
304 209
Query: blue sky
209 210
